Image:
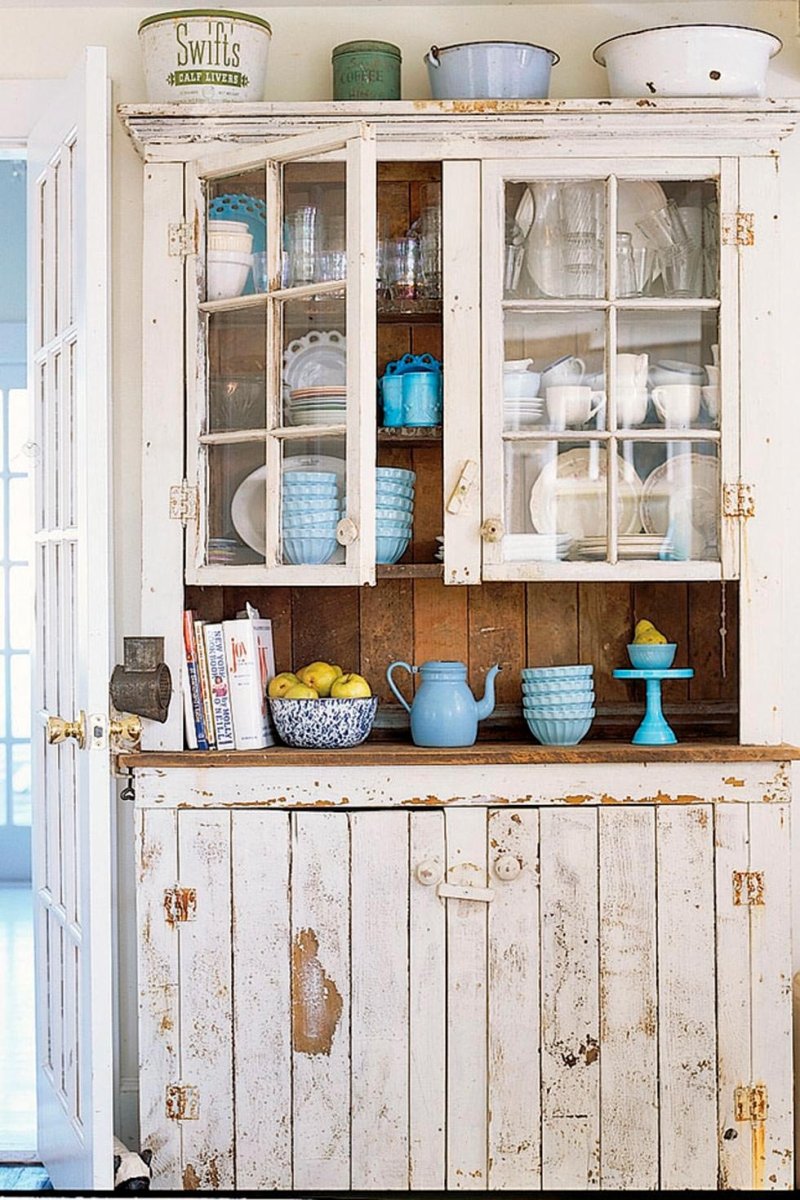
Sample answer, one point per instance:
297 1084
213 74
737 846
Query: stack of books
228 666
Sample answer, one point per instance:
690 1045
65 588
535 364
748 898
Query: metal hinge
182 236
738 500
183 1102
180 904
183 502
750 1103
464 485
737 229
748 887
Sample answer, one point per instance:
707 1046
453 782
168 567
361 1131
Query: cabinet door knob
507 867
346 531
429 872
492 529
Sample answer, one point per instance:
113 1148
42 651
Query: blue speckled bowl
330 723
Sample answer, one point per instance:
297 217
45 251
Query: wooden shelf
409 570
410 312
409 435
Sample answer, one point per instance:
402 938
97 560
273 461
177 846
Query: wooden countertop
395 754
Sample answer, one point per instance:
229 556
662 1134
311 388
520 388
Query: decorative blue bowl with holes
652 656
329 723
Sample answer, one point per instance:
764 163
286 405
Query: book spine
244 678
193 682
205 685
262 629
218 681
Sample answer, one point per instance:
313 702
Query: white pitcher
632 370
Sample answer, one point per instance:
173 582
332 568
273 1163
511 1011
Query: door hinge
183 1102
748 887
183 502
464 485
182 238
738 500
750 1102
180 904
737 229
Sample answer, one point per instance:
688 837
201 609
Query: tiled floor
17 1046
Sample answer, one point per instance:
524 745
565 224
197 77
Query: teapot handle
393 685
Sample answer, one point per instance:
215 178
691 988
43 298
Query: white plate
524 214
635 199
317 359
247 507
684 493
565 497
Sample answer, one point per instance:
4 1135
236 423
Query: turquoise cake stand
654 730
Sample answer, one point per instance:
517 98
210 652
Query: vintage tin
366 70
204 54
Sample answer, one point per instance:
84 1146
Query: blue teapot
444 712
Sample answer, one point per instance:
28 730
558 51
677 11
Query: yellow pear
320 676
279 684
642 627
350 686
301 691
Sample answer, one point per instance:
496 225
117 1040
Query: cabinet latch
748 888
737 229
738 500
183 501
457 891
180 904
464 485
750 1102
182 237
183 1102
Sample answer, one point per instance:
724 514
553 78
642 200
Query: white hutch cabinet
508 967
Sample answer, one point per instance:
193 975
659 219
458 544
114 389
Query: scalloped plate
317 359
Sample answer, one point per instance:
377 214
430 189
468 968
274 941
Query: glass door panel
665 369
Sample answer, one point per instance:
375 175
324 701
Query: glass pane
314 374
235 489
21 784
555 239
235 234
236 370
680 500
19 532
553 369
668 238
313 500
20 609
21 691
314 222
666 369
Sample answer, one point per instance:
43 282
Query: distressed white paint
628 1000
514 1031
686 997
379 923
569 990
262 1018
206 999
466 1002
320 889
427 1003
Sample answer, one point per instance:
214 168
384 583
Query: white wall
42 42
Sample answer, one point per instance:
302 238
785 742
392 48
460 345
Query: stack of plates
535 547
317 406
558 703
628 546
394 516
519 412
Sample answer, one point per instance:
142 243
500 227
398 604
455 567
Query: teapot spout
486 706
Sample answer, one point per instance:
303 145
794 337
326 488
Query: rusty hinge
464 485
180 904
183 501
183 1102
738 500
182 238
737 229
750 1103
748 887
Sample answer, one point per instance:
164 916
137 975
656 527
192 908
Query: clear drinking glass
304 242
626 268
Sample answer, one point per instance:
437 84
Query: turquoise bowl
652 656
327 516
388 548
558 687
533 674
308 504
395 475
312 491
298 478
314 550
387 488
551 711
559 731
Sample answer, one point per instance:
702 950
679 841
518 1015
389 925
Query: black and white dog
131 1170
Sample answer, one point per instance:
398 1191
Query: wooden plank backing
497 635
552 624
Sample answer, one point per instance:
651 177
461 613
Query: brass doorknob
58 730
127 729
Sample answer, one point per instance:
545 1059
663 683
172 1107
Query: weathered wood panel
379 930
605 623
514 1026
569 999
387 632
497 635
552 624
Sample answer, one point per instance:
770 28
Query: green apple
351 686
320 676
279 685
301 691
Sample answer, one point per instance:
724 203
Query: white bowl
521 383
226 274
241 242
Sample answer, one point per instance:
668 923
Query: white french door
72 853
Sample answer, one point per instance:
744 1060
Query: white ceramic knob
429 872
507 867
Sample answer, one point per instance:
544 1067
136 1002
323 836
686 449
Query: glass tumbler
304 242
626 268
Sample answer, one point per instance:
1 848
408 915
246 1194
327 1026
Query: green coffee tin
366 70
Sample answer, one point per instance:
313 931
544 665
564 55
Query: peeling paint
191 1180
577 799
316 1001
732 781
759 1155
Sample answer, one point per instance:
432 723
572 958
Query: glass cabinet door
609 397
281 317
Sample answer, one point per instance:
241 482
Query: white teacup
631 406
572 404
711 401
713 375
678 404
567 370
632 370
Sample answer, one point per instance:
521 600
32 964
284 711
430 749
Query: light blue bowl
309 505
395 474
388 549
557 731
571 700
314 550
652 656
392 527
566 711
299 520
394 501
400 515
558 687
295 478
329 723
533 674
312 491
386 488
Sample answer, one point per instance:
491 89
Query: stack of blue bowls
558 703
310 511
394 516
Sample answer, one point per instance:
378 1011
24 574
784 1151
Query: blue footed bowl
330 723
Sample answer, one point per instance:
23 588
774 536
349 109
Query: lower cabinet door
471 998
